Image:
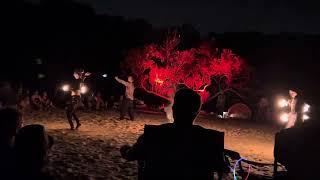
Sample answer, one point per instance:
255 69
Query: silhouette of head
130 79
186 107
32 144
36 93
10 122
181 86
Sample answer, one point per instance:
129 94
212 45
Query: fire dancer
71 108
294 104
74 99
127 101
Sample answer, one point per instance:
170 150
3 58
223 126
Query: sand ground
92 152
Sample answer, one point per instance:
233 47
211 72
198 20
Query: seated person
24 104
10 122
179 150
36 100
31 147
46 102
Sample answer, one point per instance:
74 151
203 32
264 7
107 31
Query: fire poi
293 110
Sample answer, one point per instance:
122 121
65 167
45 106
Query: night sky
269 16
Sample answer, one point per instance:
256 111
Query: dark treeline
66 34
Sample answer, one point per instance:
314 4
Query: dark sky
270 16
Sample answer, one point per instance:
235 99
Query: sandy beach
92 152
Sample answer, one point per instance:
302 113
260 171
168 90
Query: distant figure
10 122
263 110
295 108
179 150
24 104
99 101
46 102
36 100
221 102
31 147
168 108
71 108
127 101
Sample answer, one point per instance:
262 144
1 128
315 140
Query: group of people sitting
35 102
94 102
23 150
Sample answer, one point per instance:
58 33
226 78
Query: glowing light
306 108
249 170
283 103
305 117
284 117
66 87
41 76
83 89
202 90
235 166
104 75
159 81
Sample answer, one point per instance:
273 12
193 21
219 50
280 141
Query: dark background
279 41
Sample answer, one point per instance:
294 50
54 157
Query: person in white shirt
127 102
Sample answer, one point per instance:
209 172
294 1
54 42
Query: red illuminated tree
161 67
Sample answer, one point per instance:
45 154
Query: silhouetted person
10 122
99 101
127 101
36 100
178 150
24 104
71 109
31 149
46 102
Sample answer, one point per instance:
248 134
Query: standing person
295 105
127 102
99 101
71 108
46 102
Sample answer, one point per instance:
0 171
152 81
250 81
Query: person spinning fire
294 105
71 108
74 99
127 101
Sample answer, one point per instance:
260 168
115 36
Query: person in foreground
10 122
178 150
31 146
